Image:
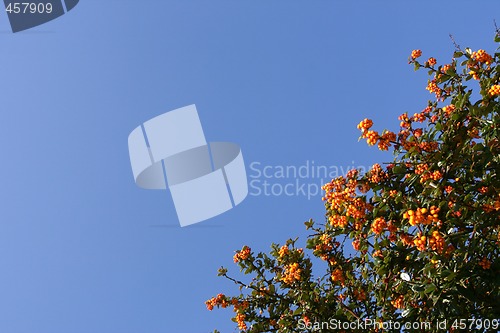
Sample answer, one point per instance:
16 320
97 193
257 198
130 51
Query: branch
455 43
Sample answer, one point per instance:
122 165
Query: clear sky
82 248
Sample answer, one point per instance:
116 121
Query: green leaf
399 169
417 288
451 276
478 146
382 270
430 288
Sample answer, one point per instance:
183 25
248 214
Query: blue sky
82 248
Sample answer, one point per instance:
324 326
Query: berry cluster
283 251
292 273
448 109
240 320
482 57
339 221
416 53
436 241
494 90
433 88
398 302
243 254
485 263
422 216
338 276
371 137
220 300
379 225
365 125
431 62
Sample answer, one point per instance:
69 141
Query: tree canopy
424 227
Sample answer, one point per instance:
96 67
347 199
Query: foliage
424 228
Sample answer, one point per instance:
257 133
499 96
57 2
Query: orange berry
379 225
482 57
485 263
449 109
243 254
415 54
372 137
494 90
398 302
445 68
365 124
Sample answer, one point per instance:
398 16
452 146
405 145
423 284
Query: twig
455 43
